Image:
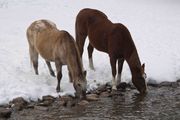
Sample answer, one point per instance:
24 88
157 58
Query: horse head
140 82
80 86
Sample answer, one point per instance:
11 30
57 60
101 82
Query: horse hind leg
34 59
59 73
90 52
50 69
120 66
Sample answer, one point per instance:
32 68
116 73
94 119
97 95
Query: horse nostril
79 85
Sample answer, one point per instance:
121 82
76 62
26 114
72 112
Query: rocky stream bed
162 102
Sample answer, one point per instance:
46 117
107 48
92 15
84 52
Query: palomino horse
112 38
59 47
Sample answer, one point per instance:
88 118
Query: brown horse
112 38
59 47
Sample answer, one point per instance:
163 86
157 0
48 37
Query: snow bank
154 26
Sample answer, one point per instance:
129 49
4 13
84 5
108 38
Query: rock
169 84
108 84
71 103
101 88
93 92
153 85
5 106
116 93
105 94
174 84
19 100
5 113
30 107
83 102
18 103
131 86
152 82
165 84
61 102
178 80
48 98
45 103
178 104
41 108
122 85
66 98
67 101
92 97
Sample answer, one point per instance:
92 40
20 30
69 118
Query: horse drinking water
59 47
112 38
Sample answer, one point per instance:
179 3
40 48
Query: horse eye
79 84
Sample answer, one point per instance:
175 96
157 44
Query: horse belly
99 41
46 54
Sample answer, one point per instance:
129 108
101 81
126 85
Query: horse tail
31 36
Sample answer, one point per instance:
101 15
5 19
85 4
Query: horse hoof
114 88
92 68
57 90
52 74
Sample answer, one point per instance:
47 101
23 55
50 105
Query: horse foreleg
59 74
70 75
90 51
50 69
113 68
120 66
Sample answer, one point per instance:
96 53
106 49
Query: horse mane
75 63
135 63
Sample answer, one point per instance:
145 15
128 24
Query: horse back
113 38
121 40
42 35
96 25
65 48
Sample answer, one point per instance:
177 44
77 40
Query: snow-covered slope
154 25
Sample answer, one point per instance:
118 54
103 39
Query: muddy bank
161 102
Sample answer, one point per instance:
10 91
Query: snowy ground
154 25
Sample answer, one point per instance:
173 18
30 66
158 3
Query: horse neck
134 64
75 65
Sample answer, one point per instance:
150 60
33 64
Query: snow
154 26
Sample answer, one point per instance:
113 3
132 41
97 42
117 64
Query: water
160 103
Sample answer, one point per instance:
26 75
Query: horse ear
143 66
84 72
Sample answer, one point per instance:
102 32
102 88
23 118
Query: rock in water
83 102
5 113
92 97
18 103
